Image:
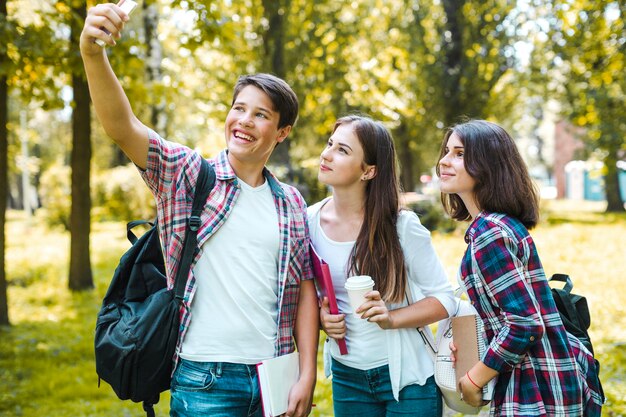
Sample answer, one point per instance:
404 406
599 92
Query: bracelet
473 383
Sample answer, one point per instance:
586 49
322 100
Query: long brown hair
503 184
377 251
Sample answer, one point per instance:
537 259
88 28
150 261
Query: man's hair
378 238
503 184
280 93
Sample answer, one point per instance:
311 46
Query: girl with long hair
360 230
541 369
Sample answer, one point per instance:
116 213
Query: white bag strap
430 342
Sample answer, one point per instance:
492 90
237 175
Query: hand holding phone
127 6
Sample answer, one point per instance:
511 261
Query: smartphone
127 6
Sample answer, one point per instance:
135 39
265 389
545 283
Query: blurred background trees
589 42
419 66
4 101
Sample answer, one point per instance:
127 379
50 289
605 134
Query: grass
46 356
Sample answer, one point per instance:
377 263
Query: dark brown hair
377 251
492 159
280 93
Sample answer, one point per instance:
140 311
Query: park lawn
46 356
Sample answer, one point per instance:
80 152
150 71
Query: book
276 377
324 285
467 336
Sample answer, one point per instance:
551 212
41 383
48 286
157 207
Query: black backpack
575 316
573 309
138 324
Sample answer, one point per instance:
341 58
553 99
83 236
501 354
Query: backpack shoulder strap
204 185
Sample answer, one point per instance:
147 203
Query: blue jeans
368 393
217 389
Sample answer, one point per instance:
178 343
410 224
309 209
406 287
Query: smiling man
249 294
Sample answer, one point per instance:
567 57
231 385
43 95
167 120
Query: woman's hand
333 324
375 310
470 393
472 383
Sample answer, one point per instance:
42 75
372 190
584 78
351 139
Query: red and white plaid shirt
171 174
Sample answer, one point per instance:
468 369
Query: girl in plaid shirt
541 369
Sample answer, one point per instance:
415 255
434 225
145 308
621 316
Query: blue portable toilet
621 178
594 181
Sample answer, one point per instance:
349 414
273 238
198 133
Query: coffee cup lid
359 281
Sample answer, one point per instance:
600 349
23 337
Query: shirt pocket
174 251
298 255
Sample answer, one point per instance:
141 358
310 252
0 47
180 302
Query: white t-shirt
409 361
235 307
366 342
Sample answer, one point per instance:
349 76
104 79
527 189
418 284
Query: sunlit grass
46 356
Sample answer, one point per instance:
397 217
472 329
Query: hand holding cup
357 286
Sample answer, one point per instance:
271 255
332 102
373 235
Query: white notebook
276 377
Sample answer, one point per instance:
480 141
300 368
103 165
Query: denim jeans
368 393
217 389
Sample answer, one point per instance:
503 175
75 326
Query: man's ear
283 132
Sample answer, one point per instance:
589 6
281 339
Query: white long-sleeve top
409 361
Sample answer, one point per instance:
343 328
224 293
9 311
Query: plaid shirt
544 371
171 175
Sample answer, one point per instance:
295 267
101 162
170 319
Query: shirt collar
471 229
225 172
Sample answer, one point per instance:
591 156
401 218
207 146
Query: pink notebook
324 284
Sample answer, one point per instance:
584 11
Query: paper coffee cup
357 286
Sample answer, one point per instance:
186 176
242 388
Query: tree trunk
274 39
80 276
275 12
154 58
611 185
453 61
4 178
405 156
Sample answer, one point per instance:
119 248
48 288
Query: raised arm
108 96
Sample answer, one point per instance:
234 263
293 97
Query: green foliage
383 58
55 194
416 65
588 62
120 194
117 194
389 59
32 48
432 216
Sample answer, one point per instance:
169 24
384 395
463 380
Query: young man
249 293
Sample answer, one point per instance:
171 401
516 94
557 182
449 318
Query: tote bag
440 352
